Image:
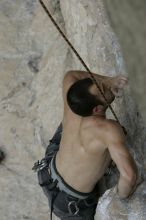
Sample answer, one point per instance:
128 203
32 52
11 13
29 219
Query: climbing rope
79 57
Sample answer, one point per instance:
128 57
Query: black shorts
65 206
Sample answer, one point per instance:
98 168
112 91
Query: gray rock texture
33 60
127 18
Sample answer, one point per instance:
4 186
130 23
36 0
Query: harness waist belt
63 186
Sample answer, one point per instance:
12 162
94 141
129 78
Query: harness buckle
39 165
73 208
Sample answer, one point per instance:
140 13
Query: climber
83 147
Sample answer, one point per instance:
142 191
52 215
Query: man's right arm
123 159
79 74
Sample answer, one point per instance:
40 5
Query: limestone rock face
110 207
127 19
33 60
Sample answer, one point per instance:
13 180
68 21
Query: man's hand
117 85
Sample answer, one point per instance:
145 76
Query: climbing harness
45 180
51 184
42 166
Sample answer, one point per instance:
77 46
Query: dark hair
79 98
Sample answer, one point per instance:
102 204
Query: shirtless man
88 144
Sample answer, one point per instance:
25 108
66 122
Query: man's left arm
125 163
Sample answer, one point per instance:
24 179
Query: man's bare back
83 156
89 143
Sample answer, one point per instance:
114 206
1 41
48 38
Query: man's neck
100 115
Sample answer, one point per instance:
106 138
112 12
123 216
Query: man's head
84 98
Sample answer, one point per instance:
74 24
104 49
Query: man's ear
98 109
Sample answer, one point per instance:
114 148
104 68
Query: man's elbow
130 174
131 178
69 75
69 72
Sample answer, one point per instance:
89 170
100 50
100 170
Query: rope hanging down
79 57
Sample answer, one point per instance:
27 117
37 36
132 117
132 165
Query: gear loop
73 208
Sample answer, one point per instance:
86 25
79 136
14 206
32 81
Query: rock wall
127 19
34 58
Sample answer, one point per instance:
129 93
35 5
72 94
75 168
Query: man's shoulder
107 125
112 124
109 130
114 131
